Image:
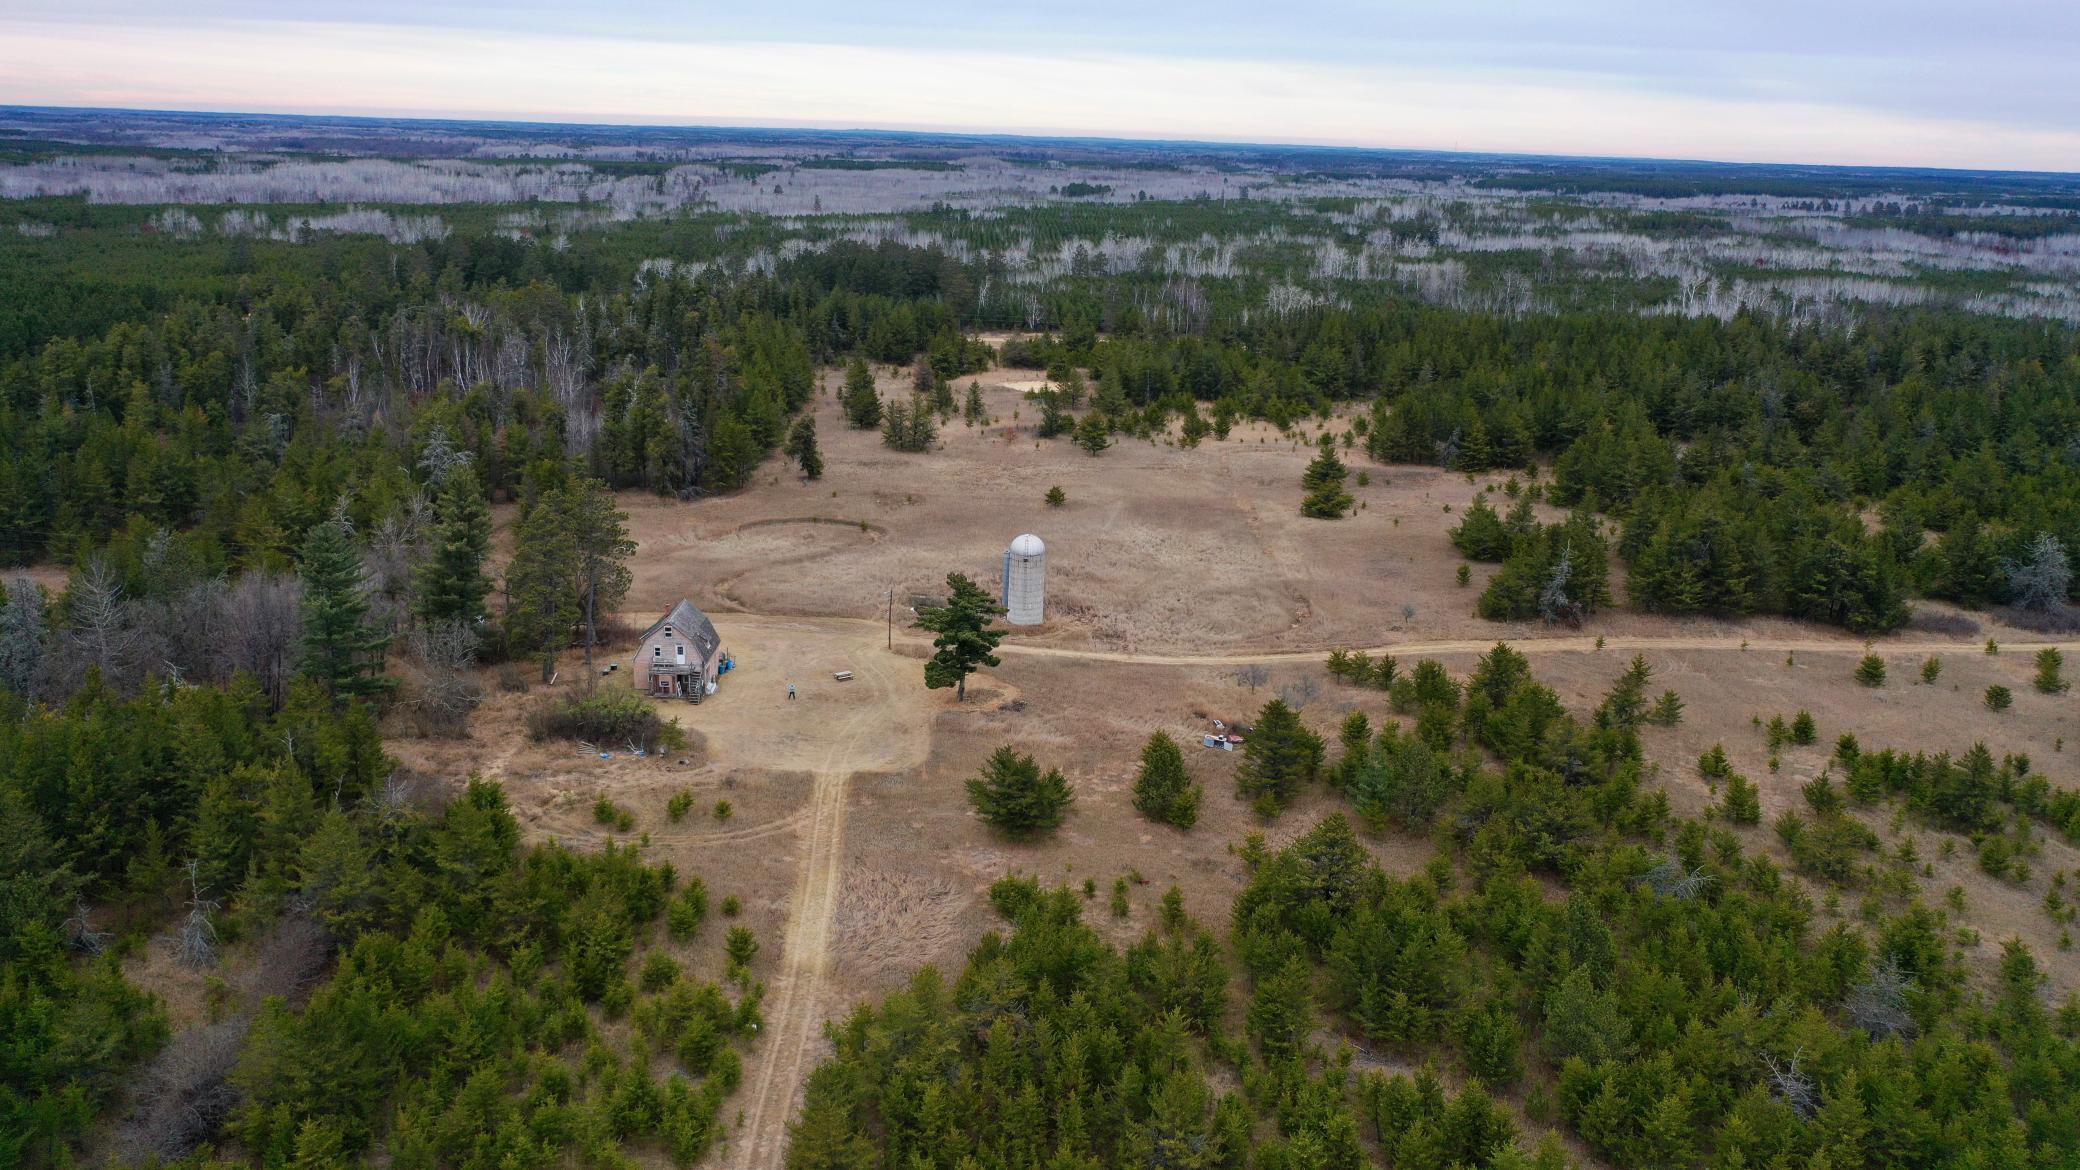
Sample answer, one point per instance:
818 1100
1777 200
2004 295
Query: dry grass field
851 845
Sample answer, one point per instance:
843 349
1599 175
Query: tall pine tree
541 608
862 405
452 583
801 447
1016 798
1326 499
965 642
600 551
1163 790
340 647
1279 756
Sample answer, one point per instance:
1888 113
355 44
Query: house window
668 631
657 652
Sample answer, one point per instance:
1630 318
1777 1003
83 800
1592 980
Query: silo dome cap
1027 545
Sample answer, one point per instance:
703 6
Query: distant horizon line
1032 135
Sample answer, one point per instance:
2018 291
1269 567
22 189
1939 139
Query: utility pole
891 617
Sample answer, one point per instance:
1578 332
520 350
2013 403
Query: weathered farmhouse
680 657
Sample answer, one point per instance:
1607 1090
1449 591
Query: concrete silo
1025 581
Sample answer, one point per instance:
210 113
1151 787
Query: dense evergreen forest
430 992
255 388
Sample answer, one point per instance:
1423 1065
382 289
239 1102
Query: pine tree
1626 704
972 411
1164 791
340 647
1489 1039
453 584
1585 1022
1480 533
1053 419
1402 784
1194 428
541 607
1281 1012
1870 671
1091 434
1326 498
1016 798
2050 679
340 877
895 426
1356 739
862 405
908 426
221 841
25 637
600 551
801 447
1668 710
1742 802
1667 1134
1279 755
824 1136
924 428
965 642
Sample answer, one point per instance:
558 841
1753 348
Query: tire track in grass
794 1015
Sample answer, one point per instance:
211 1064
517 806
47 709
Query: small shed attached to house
680 656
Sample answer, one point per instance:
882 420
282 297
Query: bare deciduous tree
80 933
263 628
1300 692
195 940
1792 1084
442 457
103 623
1252 676
1671 880
447 687
184 1095
396 549
2039 579
1554 605
189 632
1878 1004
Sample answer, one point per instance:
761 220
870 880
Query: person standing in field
790 692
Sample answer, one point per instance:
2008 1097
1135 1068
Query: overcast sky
1989 83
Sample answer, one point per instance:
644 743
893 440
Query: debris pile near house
1223 736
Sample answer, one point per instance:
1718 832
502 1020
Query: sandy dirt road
1544 645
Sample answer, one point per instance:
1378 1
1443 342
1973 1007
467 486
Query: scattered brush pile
605 717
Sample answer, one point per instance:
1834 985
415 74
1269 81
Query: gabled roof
692 622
